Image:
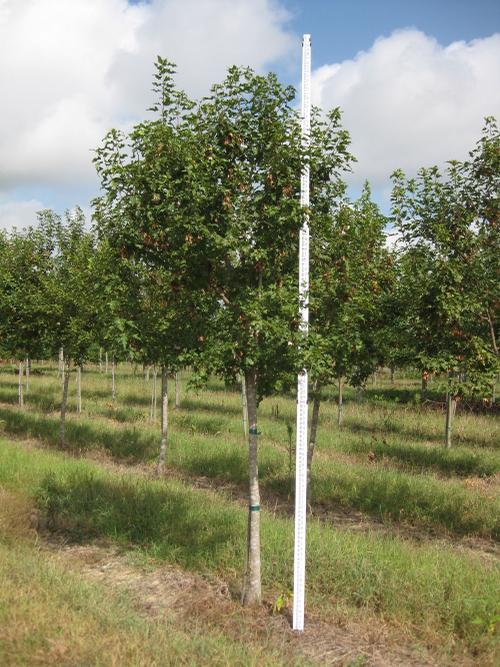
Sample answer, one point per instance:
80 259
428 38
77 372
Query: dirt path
196 602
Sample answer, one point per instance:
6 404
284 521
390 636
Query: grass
387 461
419 499
459 461
446 598
51 616
212 447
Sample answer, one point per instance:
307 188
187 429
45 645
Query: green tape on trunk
253 431
254 508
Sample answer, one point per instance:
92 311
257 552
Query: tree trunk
340 410
113 379
100 360
177 404
106 362
28 369
451 406
20 396
244 406
79 389
61 363
147 374
152 414
164 420
392 374
252 587
64 403
425 382
313 431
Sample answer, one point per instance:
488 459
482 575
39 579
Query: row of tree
192 261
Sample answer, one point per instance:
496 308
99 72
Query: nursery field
403 533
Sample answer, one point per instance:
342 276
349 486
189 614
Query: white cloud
71 70
409 102
19 214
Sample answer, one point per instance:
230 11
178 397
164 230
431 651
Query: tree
350 275
449 229
24 265
73 288
249 138
149 213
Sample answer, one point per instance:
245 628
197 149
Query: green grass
387 461
445 597
458 461
211 446
419 499
50 616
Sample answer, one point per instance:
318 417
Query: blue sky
341 28
414 80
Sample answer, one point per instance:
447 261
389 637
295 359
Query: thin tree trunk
340 410
392 374
164 420
79 389
20 396
152 414
313 430
62 365
244 406
451 406
64 404
28 369
252 586
106 362
177 404
100 360
113 379
425 379
147 374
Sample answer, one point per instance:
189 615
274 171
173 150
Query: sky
414 80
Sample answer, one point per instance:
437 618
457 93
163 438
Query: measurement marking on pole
299 564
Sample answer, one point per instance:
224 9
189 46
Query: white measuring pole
299 565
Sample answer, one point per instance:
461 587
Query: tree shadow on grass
43 399
214 463
222 461
390 426
173 522
196 404
449 461
196 423
398 395
408 498
130 444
